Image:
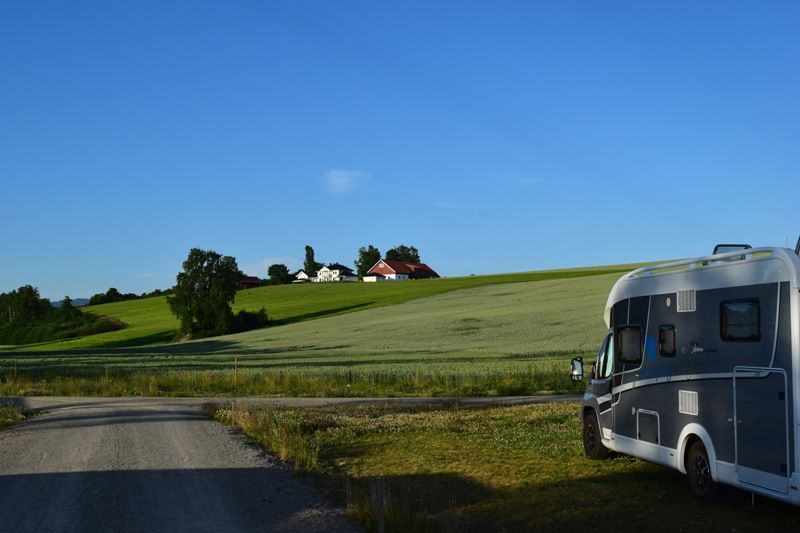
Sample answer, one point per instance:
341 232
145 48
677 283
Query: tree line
26 318
113 295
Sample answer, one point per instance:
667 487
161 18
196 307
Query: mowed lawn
499 327
149 321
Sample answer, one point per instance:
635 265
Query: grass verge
486 469
10 415
546 377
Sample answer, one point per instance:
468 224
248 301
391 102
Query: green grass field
151 322
489 469
510 338
485 335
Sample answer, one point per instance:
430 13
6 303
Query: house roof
404 267
337 266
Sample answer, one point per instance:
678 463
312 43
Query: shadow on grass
218 345
321 313
656 499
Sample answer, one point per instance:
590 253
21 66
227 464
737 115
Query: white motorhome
698 371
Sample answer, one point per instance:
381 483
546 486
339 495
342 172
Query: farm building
392 270
335 272
301 276
248 282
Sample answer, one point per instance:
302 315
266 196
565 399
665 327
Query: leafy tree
110 296
204 292
310 265
67 310
278 274
26 317
367 257
403 253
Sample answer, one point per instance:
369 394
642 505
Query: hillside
494 328
150 321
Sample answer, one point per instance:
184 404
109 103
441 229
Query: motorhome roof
730 269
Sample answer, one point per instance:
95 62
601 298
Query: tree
67 310
367 257
278 274
403 253
310 264
204 292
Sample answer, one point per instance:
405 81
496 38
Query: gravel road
158 464
148 465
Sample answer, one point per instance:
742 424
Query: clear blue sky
494 136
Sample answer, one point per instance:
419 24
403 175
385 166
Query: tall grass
522 380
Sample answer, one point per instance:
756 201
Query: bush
247 320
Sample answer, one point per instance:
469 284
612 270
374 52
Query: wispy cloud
527 181
450 205
343 181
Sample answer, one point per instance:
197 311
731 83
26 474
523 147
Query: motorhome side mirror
576 372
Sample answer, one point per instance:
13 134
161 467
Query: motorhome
700 371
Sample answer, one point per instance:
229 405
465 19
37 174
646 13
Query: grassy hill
507 338
150 321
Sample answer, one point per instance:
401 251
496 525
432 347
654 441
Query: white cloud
342 181
450 205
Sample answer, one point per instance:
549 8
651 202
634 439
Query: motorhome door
761 435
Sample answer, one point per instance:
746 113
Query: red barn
248 282
389 269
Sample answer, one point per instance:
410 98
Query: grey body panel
647 397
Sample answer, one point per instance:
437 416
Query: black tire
592 438
698 470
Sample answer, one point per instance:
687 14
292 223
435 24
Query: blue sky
494 136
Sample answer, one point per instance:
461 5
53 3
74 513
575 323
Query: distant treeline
113 295
26 317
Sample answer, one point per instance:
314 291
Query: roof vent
725 248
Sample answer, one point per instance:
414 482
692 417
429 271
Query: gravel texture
148 464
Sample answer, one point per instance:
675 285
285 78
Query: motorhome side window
740 320
666 340
605 361
629 344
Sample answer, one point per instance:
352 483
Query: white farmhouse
335 272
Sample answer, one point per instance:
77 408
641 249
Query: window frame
661 329
722 321
619 352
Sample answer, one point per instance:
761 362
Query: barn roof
405 267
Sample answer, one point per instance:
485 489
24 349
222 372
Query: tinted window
629 344
666 341
740 320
